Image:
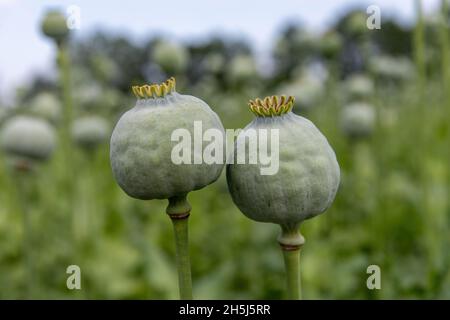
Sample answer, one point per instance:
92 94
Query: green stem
292 265
66 125
22 185
419 48
63 60
444 45
291 242
179 210
28 253
64 74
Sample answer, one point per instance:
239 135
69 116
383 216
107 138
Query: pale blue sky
25 51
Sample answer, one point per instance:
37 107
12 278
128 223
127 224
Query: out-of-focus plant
54 26
171 57
90 131
105 69
330 45
242 69
305 91
358 87
3 114
46 106
294 46
358 120
26 142
395 70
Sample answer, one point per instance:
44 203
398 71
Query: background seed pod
90 131
46 106
330 45
242 68
214 63
306 92
358 87
358 120
3 114
104 68
391 68
356 25
28 137
171 57
54 25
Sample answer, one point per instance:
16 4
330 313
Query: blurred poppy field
381 97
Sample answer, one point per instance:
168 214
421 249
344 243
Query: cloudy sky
24 51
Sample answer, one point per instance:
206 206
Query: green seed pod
46 106
105 68
54 25
242 68
358 87
356 25
308 175
141 144
306 92
392 69
3 114
89 96
330 45
171 57
358 120
90 131
214 63
27 137
304 185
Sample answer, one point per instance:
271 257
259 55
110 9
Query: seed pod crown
271 106
155 90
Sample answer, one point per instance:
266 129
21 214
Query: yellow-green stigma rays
271 106
155 90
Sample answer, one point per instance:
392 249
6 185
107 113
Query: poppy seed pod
54 25
105 68
306 92
171 57
3 114
242 68
358 87
391 68
141 144
27 137
46 106
90 131
308 175
356 24
330 44
214 62
358 120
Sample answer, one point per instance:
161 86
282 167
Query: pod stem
179 211
63 61
64 74
419 48
291 242
292 265
22 190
